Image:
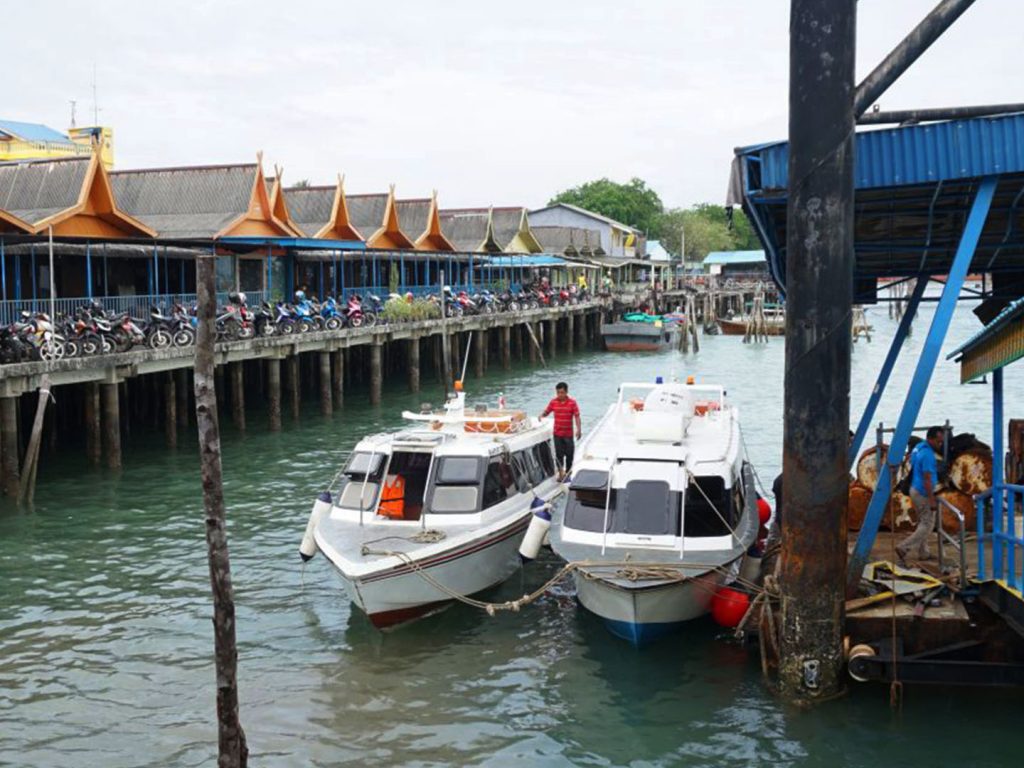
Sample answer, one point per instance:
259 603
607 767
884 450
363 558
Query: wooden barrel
964 504
971 471
860 497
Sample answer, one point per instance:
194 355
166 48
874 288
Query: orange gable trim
390 235
340 226
259 220
11 223
279 206
96 213
433 238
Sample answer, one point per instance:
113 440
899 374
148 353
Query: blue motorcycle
329 314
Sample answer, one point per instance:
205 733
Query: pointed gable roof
471 230
377 217
322 212
11 223
73 195
512 227
279 205
422 216
201 202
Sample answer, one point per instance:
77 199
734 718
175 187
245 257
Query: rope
732 530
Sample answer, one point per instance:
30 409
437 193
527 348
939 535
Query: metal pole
819 242
53 282
939 113
88 269
883 376
922 376
907 52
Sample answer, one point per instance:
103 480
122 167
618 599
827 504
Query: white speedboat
661 508
434 511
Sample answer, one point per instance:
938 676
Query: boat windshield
643 507
363 465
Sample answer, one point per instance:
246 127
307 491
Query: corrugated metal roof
1010 312
32 131
734 257
466 230
310 207
37 189
917 154
413 216
589 214
527 260
185 202
366 212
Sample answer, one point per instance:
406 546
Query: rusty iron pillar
819 298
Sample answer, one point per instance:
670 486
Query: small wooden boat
775 324
640 336
434 511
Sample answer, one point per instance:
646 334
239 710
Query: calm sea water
106 641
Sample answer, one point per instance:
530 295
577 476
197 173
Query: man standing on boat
924 476
567 414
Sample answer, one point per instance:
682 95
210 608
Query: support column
326 404
817 381
183 401
292 383
581 331
435 343
570 333
111 425
414 364
376 375
9 449
170 410
93 439
338 378
552 338
530 346
274 393
479 342
506 347
238 395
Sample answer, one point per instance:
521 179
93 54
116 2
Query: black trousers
565 447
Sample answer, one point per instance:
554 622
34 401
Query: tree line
706 226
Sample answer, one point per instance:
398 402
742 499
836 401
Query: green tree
707 228
302 184
634 203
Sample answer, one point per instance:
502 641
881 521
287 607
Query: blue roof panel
734 257
32 131
526 260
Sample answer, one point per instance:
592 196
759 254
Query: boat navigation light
458 385
690 380
658 380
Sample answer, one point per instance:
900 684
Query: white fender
321 507
538 529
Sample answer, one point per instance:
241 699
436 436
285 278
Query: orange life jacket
392 497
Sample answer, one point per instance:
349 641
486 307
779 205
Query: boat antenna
465 360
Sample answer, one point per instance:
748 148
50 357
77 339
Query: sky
488 103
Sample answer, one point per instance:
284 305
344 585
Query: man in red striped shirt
567 414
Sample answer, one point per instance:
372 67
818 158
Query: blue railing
1006 540
138 306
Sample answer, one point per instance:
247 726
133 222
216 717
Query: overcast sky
490 103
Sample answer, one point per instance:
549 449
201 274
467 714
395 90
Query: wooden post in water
274 393
111 424
293 383
9 454
819 282
570 333
479 342
552 338
170 410
338 377
232 749
506 347
414 363
93 439
238 395
182 389
376 375
31 463
326 403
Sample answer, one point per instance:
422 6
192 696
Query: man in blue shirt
924 476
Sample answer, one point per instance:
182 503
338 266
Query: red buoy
729 606
764 511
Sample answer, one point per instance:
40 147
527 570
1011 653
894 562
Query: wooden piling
414 364
238 396
9 439
170 410
111 424
182 389
376 374
293 383
274 393
570 333
93 439
326 402
506 348
552 338
479 342
338 377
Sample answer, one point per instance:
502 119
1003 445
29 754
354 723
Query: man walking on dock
567 415
924 475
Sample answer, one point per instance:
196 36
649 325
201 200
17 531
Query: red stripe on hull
634 346
385 619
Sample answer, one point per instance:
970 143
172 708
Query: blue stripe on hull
642 634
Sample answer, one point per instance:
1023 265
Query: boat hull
739 328
641 612
627 344
638 337
402 593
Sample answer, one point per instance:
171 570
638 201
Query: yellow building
35 141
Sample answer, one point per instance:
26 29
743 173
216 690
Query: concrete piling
170 410
376 374
326 402
338 377
505 342
479 347
570 335
292 380
414 364
274 393
111 424
182 390
93 431
9 446
552 338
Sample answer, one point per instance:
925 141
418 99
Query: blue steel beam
922 377
890 362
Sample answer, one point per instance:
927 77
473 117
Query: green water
106 641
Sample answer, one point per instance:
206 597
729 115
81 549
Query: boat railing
608 501
715 389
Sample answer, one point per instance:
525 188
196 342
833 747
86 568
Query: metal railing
1006 536
138 306
959 543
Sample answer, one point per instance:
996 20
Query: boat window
457 470
584 510
546 458
456 485
350 495
522 471
353 488
534 466
451 499
362 462
499 483
646 507
704 496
